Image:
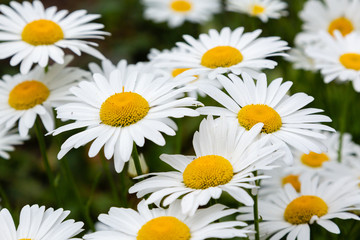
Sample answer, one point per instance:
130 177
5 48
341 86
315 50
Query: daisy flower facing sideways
263 9
282 115
9 138
226 156
127 107
32 34
24 97
228 51
290 212
176 12
170 223
37 223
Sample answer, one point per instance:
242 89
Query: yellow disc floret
221 56
28 94
25 239
341 24
350 61
208 171
303 208
164 228
181 6
314 160
293 180
252 114
257 10
123 109
42 32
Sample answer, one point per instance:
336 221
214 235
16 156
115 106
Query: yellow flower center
303 208
341 24
252 114
25 239
181 6
123 109
350 61
293 180
221 56
257 10
314 160
42 32
28 94
164 228
178 71
208 171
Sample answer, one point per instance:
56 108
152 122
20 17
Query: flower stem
110 178
4 199
41 141
256 211
135 156
343 117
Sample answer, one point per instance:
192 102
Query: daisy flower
32 34
24 97
283 116
339 58
291 213
316 162
170 223
9 138
225 51
38 223
225 158
176 12
263 9
127 107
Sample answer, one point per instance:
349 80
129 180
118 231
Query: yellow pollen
252 114
208 171
123 109
181 6
303 208
25 239
293 180
257 10
341 24
178 71
221 56
42 32
164 228
28 94
350 61
314 160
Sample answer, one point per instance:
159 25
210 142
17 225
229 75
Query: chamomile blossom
291 213
127 107
9 138
32 34
339 58
263 9
170 223
39 223
284 118
225 51
176 12
24 97
225 158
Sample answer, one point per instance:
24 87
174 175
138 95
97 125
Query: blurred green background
23 179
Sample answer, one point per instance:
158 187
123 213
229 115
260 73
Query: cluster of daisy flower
176 12
243 147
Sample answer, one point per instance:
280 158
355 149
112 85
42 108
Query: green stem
4 199
178 138
343 117
256 211
137 164
106 167
41 141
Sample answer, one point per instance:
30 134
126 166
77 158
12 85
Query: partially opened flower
9 138
36 223
170 224
127 107
24 97
176 12
225 51
291 213
32 34
284 118
263 9
226 157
